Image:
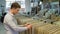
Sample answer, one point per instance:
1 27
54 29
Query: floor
2 29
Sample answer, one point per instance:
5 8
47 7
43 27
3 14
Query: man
10 22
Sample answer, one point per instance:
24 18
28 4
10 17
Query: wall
28 5
2 6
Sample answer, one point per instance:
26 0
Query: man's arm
12 24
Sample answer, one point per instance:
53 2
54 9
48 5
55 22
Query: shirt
11 26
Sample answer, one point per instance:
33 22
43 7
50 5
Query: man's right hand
29 26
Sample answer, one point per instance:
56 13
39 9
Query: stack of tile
29 31
23 32
38 27
47 29
22 20
57 23
54 17
34 24
58 32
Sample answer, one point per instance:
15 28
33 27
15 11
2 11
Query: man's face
16 10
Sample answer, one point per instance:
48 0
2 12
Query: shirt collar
10 13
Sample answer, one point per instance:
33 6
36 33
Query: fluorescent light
40 3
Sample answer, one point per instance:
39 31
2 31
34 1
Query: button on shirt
11 26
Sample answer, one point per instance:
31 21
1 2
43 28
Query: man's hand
29 26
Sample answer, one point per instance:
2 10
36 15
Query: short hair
15 5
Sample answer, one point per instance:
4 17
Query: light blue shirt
11 26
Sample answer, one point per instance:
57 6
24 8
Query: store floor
2 30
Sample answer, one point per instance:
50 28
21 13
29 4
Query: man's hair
15 5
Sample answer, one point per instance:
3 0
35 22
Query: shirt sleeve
12 24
